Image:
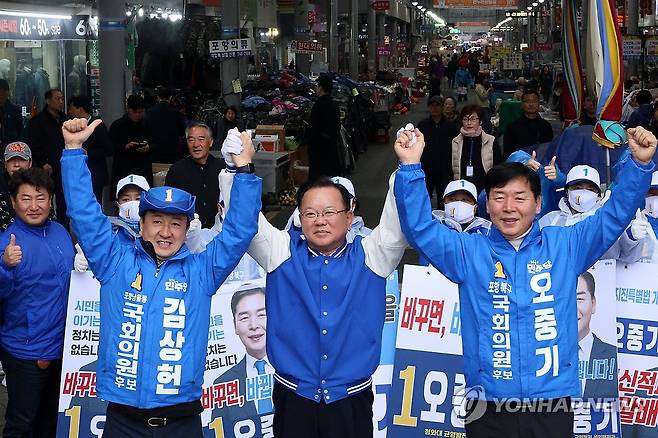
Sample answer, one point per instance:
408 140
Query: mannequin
76 81
5 66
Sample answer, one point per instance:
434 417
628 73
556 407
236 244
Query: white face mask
651 205
462 212
129 211
582 200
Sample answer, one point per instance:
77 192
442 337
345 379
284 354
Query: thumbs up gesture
13 254
533 163
551 171
639 226
76 132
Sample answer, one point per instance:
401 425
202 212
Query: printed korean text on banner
237 385
232 48
637 341
429 390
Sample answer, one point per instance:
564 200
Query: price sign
43 29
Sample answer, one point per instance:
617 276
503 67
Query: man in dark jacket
323 152
436 160
11 121
643 116
44 135
197 173
35 269
166 127
132 154
530 129
98 146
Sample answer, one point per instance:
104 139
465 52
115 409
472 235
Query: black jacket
166 128
129 161
98 147
44 136
437 155
11 123
323 152
526 132
201 181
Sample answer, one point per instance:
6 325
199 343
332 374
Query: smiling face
165 231
513 207
32 204
325 234
586 307
199 142
250 322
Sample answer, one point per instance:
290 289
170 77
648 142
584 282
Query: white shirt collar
585 347
251 366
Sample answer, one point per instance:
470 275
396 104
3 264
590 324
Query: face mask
462 212
129 211
651 205
582 200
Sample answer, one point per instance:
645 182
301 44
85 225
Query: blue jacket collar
181 254
34 229
500 241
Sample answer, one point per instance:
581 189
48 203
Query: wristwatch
247 168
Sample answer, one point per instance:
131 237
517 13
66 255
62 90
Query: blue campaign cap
167 200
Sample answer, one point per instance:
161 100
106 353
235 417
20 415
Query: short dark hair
163 92
81 102
320 182
528 92
239 295
135 102
591 98
50 92
232 108
502 173
325 83
450 97
4 85
643 97
589 281
471 109
34 176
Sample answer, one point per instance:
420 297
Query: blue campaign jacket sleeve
589 239
240 226
444 248
6 273
90 225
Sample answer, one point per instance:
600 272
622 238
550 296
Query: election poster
429 389
238 379
637 343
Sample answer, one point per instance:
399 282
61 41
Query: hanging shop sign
651 46
43 29
230 48
480 4
516 14
384 51
306 47
543 47
632 47
380 5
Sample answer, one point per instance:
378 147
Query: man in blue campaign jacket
35 269
155 295
325 302
516 284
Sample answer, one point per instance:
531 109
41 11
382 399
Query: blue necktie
264 404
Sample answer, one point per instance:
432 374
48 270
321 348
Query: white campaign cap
135 180
461 185
583 173
345 183
654 180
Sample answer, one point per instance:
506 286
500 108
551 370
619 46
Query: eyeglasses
311 215
471 119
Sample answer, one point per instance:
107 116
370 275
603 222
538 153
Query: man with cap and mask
358 227
155 294
126 225
583 198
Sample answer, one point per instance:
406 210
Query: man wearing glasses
326 301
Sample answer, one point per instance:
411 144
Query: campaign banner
237 386
637 343
429 389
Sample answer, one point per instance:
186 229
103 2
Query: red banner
380 5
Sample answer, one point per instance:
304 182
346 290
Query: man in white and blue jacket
155 295
516 285
326 302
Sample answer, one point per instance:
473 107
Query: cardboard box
278 130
